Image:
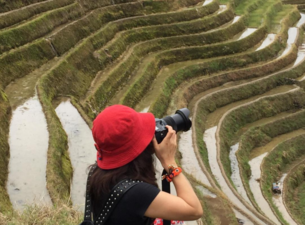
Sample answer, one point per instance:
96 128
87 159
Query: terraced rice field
237 65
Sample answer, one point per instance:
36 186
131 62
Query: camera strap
166 188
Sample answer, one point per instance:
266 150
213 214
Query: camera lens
180 120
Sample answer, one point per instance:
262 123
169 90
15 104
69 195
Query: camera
179 122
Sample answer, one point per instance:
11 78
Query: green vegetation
258 136
277 162
7 5
40 26
21 62
24 60
68 37
255 17
112 51
5 114
245 7
228 96
77 77
56 215
107 90
295 194
17 16
250 113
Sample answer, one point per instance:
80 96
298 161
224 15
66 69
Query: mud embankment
81 150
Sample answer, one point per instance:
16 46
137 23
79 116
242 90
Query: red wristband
173 172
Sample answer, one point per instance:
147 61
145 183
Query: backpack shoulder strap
88 209
113 199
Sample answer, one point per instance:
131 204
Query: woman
125 144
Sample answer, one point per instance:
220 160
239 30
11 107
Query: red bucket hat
121 134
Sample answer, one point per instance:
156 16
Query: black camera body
179 122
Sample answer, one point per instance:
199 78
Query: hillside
237 65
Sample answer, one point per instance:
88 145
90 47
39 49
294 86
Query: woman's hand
166 150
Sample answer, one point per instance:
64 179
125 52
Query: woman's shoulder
143 186
143 191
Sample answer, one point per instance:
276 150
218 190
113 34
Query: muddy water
301 55
278 201
81 149
236 18
189 161
292 36
206 192
246 33
269 39
145 109
301 21
28 140
242 217
300 58
206 2
222 8
210 140
256 189
235 176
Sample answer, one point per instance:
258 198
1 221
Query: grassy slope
295 194
5 114
59 171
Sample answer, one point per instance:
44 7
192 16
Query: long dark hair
141 168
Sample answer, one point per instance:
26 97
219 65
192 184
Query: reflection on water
145 109
292 36
278 201
235 176
81 149
206 192
28 140
189 161
301 21
246 33
242 217
301 55
236 18
256 189
269 39
222 8
210 141
207 2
